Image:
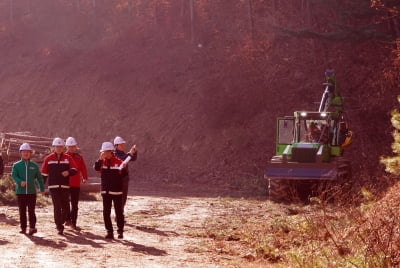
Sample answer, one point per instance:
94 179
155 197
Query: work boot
60 231
23 231
120 234
76 228
109 235
32 231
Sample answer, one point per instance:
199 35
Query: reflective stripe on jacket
111 179
53 165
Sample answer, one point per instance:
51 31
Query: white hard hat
71 141
58 142
25 147
118 140
107 146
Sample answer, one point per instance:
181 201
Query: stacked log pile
10 143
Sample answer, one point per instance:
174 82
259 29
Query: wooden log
26 137
15 147
91 187
13 154
33 159
22 133
7 169
3 144
16 155
35 150
20 141
94 179
11 142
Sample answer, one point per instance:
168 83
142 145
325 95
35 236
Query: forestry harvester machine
309 149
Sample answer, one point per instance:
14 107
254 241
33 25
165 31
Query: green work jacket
29 172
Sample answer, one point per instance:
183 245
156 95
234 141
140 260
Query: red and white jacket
75 180
111 179
52 167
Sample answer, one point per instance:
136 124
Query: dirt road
161 231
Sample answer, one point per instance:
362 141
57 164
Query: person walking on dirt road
75 180
28 178
111 188
119 144
58 167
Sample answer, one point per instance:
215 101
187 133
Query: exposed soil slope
199 107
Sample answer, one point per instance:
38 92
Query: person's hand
65 173
133 149
23 183
84 181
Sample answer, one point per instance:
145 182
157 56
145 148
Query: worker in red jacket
111 188
75 181
58 167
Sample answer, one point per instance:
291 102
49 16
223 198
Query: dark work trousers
108 199
27 200
60 198
125 188
74 199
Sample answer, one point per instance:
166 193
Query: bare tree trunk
131 8
308 12
156 13
182 7
192 33
275 4
251 20
12 10
396 26
306 6
29 6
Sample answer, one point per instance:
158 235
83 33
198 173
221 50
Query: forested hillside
197 84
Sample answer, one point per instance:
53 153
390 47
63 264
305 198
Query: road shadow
155 231
144 249
47 242
84 238
88 237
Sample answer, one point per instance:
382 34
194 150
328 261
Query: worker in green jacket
28 178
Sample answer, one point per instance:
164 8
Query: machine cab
310 128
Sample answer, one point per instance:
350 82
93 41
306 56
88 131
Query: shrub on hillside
382 229
393 163
8 196
7 191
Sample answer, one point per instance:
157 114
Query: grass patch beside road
277 235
